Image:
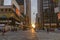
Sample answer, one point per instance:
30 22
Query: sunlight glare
33 25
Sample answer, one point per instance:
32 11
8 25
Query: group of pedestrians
4 30
47 29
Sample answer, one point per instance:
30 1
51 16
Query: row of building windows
48 17
45 4
5 10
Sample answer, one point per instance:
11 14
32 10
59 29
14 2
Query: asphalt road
30 35
20 35
48 36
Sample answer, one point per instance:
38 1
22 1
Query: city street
29 19
19 35
30 35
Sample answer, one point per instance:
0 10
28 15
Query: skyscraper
9 14
46 13
28 12
25 9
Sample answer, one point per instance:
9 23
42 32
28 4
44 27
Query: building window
1 9
14 7
10 10
6 10
7 2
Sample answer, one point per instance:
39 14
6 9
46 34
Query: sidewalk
55 31
42 35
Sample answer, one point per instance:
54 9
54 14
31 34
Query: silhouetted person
43 28
47 29
3 31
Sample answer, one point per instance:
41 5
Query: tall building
25 9
28 12
46 13
9 14
21 5
58 13
39 8
59 5
37 21
23 13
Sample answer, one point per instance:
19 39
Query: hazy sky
34 6
33 10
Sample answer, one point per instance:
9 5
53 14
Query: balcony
8 16
7 6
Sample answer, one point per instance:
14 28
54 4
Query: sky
33 10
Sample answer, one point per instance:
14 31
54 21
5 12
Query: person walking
47 29
3 31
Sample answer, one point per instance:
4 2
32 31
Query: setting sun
33 25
